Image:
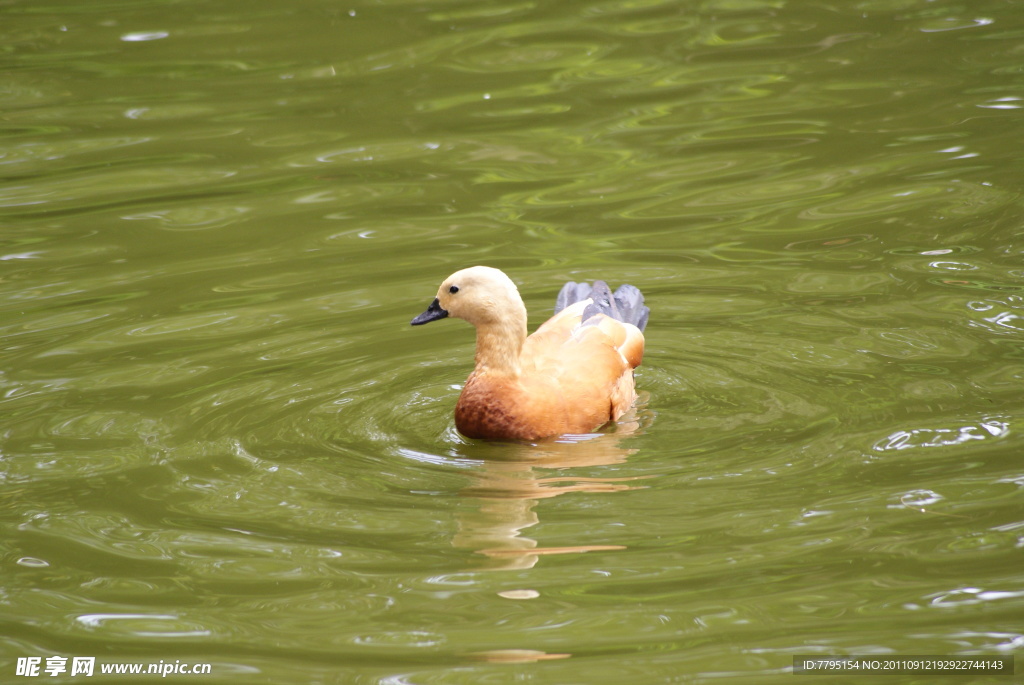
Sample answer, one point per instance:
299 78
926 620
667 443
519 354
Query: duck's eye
454 289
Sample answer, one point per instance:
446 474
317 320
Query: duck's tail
625 305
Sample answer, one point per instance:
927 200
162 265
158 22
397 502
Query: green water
221 442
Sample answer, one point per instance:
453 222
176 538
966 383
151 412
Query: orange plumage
574 374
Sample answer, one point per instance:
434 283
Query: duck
573 375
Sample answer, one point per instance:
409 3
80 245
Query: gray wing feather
626 304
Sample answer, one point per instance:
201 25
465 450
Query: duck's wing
571 293
624 337
626 304
587 373
544 346
630 303
586 360
582 363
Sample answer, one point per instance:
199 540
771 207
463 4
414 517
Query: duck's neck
499 345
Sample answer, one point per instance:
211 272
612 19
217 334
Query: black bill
433 313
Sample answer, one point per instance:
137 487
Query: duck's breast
507 409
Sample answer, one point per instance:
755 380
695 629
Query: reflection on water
507 486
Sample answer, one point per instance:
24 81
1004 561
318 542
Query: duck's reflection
514 477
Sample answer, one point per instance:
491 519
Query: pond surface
221 442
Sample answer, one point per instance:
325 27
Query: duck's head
480 295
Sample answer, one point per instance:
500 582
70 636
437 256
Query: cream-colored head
489 300
481 295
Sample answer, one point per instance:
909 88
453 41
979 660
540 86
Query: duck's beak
433 313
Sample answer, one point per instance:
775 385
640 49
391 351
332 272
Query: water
221 442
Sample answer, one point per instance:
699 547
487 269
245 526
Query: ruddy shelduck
574 374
